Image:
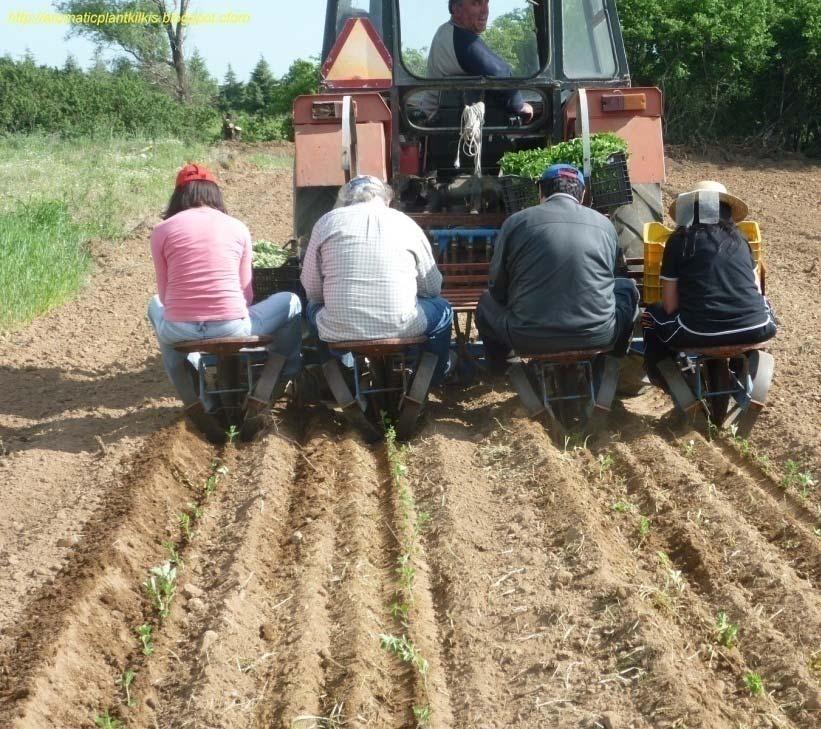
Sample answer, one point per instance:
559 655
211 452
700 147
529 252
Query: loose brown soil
568 585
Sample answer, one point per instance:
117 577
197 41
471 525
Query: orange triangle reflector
359 59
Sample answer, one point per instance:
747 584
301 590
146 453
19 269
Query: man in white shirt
369 273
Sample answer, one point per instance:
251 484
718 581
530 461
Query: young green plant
161 586
124 682
144 633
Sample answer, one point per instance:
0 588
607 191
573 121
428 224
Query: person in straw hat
710 293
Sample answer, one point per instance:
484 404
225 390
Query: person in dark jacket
710 294
457 49
553 284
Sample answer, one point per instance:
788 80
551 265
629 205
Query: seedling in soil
125 682
422 716
184 520
688 448
754 684
727 631
195 510
400 611
643 529
146 639
605 464
405 651
623 507
802 481
106 721
743 443
161 586
233 434
174 556
332 721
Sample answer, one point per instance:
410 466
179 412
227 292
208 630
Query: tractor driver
553 286
457 49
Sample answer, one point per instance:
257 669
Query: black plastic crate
518 193
610 186
268 281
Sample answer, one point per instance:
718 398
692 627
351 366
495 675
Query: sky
279 30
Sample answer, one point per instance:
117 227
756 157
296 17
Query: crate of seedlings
610 186
274 270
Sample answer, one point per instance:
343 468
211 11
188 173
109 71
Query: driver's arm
478 60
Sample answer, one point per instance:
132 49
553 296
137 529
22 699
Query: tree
259 93
71 65
302 78
232 91
156 46
203 87
513 37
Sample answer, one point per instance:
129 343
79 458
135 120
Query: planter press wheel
761 368
524 389
414 400
688 407
718 378
351 407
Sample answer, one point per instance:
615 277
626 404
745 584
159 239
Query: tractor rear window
587 41
370 9
510 34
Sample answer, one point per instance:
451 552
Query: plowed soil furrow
337 578
372 688
519 647
784 521
80 627
730 567
211 656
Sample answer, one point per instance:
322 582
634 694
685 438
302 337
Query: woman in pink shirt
202 257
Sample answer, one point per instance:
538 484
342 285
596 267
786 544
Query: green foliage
259 92
405 650
106 721
532 162
74 104
43 260
513 37
730 68
268 254
144 633
302 78
754 684
727 631
161 586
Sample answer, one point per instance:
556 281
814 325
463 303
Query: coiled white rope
470 136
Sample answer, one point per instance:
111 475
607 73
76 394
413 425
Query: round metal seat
377 347
567 357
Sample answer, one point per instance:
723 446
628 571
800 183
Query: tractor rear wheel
630 219
310 204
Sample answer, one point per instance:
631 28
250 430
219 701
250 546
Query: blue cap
568 171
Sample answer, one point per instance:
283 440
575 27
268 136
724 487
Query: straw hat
739 207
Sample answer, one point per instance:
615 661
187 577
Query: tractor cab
385 110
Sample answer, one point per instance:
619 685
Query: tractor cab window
369 9
587 40
510 34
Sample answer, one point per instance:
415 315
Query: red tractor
367 119
380 112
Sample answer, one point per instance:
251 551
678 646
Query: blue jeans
439 315
278 315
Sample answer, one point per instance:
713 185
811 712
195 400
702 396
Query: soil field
528 583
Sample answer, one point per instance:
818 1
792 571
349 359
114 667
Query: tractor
370 117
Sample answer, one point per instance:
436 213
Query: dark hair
196 194
562 184
451 3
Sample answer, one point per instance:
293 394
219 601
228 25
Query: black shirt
553 270
717 289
